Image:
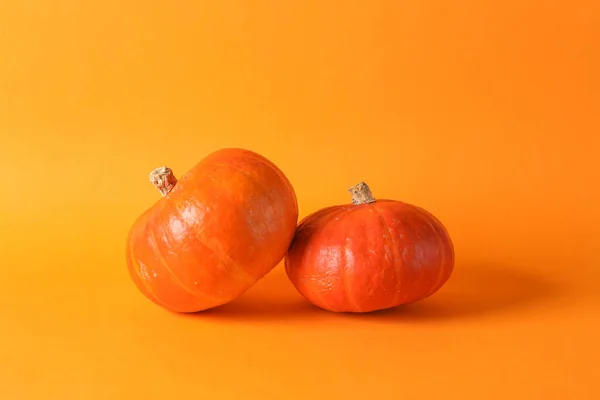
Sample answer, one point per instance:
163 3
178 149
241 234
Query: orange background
485 114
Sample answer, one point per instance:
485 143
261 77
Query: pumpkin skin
369 255
219 229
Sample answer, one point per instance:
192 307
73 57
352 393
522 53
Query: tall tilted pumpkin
215 232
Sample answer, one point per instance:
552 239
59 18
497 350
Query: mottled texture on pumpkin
369 255
223 226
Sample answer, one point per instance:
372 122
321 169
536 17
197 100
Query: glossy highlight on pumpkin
218 229
369 255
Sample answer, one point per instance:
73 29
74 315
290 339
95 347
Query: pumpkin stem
361 194
163 179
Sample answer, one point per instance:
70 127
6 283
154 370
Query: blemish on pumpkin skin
192 214
149 292
144 271
177 228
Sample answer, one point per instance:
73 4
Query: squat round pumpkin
369 255
225 224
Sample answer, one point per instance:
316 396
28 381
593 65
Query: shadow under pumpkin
473 290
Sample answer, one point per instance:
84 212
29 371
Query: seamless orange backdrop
485 113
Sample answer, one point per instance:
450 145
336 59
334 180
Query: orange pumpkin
225 224
369 255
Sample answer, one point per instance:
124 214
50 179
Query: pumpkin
369 255
215 232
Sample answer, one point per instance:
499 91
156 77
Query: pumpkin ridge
170 272
255 180
394 247
440 264
316 216
226 264
346 282
442 268
418 283
332 218
447 260
329 215
244 172
264 161
135 268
